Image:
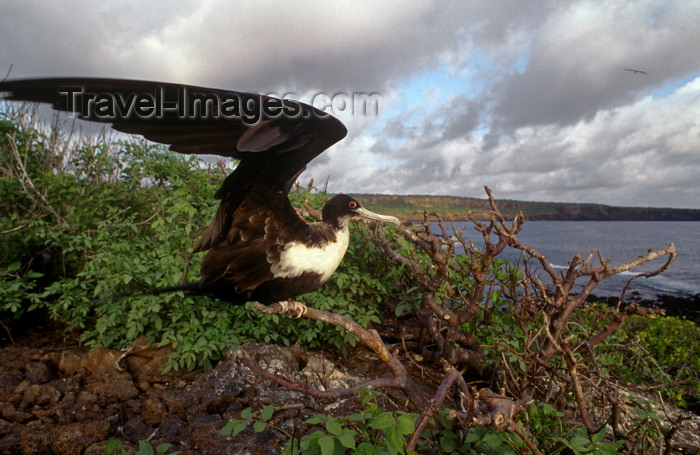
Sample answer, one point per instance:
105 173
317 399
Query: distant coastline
687 307
410 207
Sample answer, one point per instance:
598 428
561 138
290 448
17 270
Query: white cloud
531 99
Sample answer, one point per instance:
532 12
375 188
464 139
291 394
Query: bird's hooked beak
364 213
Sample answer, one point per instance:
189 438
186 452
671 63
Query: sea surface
622 241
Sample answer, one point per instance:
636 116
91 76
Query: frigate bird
259 249
635 71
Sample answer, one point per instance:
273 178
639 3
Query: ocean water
622 241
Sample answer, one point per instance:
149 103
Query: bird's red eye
352 204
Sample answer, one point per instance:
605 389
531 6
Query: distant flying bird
259 248
635 71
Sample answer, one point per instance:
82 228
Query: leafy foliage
373 431
115 447
94 226
376 431
649 350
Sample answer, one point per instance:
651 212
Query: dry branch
369 338
551 367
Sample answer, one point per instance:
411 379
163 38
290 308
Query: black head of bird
259 248
339 209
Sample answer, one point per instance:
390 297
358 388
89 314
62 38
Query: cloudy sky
533 99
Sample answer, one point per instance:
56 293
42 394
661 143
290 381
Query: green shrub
90 229
88 233
648 350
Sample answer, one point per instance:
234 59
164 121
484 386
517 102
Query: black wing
273 139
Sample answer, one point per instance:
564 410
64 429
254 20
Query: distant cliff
405 208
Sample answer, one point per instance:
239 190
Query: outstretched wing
273 139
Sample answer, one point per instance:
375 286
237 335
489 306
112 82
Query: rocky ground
67 399
59 398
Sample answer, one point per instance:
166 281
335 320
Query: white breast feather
297 258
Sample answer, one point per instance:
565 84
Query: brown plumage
259 248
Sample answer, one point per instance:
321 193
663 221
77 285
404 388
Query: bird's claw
295 309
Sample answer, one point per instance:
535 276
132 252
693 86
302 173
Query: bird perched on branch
259 249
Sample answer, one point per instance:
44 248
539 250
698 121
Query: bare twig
447 308
433 406
27 183
369 338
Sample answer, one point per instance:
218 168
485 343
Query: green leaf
233 427
579 441
448 444
334 427
472 436
396 440
382 421
359 417
599 436
33 274
113 445
347 438
327 445
259 426
266 413
313 420
405 424
145 448
161 448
